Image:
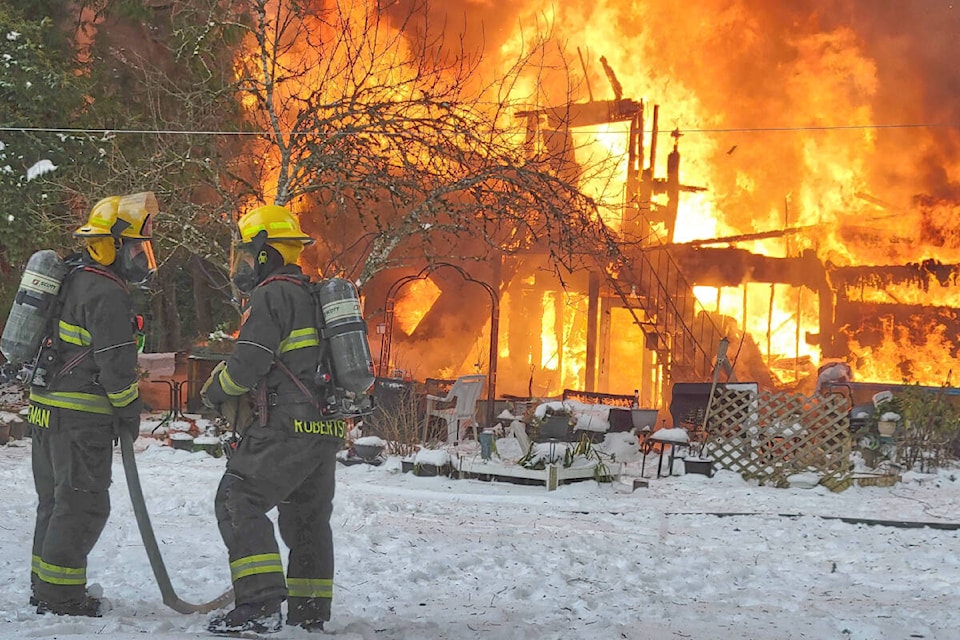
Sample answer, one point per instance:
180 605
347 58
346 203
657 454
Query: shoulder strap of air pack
286 277
303 281
53 329
105 273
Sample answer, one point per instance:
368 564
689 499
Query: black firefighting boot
86 606
259 617
308 614
315 626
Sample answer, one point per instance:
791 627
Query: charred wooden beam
731 267
918 274
877 234
745 237
584 114
915 319
612 77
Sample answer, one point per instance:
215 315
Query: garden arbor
425 272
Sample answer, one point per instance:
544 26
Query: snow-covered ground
689 557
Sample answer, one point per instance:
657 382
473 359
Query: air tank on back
346 332
32 307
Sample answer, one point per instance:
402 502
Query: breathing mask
136 261
252 262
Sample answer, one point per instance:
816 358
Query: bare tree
395 147
391 145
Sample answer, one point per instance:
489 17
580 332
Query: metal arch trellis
494 325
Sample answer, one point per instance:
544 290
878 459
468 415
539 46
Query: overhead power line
214 132
104 132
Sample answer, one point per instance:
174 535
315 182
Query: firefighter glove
127 419
212 388
238 413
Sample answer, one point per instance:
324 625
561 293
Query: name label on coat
336 428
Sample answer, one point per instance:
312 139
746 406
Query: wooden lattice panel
769 436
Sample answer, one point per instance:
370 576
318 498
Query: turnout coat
285 459
90 359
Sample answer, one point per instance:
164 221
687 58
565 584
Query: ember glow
833 123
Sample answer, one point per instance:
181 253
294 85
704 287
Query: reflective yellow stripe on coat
89 402
75 334
229 385
125 396
300 338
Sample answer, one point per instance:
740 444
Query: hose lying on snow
170 597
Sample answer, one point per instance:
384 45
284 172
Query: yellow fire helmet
122 216
276 221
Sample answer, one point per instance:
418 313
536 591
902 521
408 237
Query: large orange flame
784 111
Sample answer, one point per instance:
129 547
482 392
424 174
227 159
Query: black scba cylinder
346 333
32 306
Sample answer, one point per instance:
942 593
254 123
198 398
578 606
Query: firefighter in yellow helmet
118 235
88 393
270 238
287 457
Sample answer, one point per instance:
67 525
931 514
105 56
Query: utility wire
68 130
210 132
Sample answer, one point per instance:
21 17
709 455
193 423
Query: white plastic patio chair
458 408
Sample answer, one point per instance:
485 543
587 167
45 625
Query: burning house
794 194
770 222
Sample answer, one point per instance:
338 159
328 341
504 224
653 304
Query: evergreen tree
41 96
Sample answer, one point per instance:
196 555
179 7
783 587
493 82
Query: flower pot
425 469
19 429
886 428
211 444
182 441
368 451
554 428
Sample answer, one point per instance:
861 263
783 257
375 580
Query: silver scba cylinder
347 334
32 306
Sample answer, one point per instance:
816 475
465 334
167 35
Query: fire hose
170 597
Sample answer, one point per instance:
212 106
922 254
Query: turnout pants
274 468
72 458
